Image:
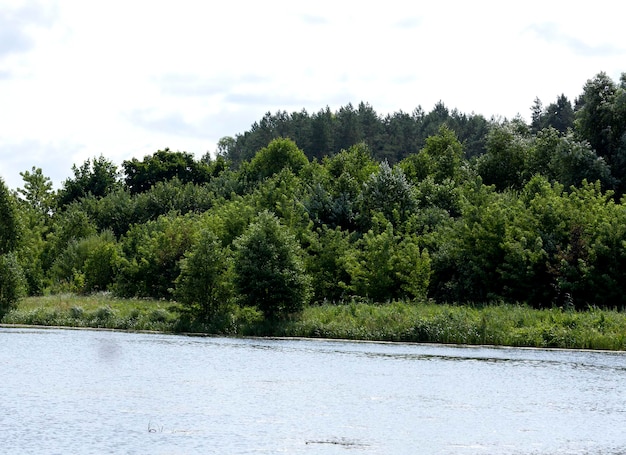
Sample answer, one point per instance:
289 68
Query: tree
161 166
279 154
558 115
203 284
445 154
11 277
574 161
323 125
504 164
12 283
268 270
225 146
348 132
386 266
72 224
594 115
389 192
326 263
9 224
96 177
88 264
153 251
37 191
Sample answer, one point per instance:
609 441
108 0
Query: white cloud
125 78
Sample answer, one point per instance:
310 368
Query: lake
83 392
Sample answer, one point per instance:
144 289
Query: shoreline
300 338
500 324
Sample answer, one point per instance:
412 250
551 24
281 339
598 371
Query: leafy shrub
12 282
203 284
268 270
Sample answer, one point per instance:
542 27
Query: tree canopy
342 206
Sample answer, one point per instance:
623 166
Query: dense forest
333 207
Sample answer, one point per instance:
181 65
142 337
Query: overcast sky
126 78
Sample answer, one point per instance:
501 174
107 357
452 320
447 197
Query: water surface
80 391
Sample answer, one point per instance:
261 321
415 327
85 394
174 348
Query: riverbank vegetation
309 213
424 322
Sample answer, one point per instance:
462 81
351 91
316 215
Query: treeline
534 214
390 138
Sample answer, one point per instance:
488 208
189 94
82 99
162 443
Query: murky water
70 391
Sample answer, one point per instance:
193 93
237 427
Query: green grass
97 311
501 324
498 324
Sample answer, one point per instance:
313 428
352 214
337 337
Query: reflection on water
67 391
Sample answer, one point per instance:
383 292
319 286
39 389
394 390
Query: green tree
466 253
87 264
164 165
268 269
595 115
203 284
225 146
95 177
9 221
12 282
444 155
574 161
558 115
542 153
325 262
323 126
279 154
35 203
72 224
504 164
152 253
389 192
386 266
37 191
334 187
12 285
348 131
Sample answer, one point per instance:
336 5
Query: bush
87 265
12 282
268 271
203 283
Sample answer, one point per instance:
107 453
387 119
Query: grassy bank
505 325
98 311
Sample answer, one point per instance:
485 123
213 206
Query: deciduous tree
268 269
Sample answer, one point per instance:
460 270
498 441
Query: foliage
268 270
9 222
88 264
325 133
204 284
279 154
575 161
558 115
96 177
70 225
12 282
37 191
438 205
384 266
443 155
152 252
505 161
325 263
390 193
164 165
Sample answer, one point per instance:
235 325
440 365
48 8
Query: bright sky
125 78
